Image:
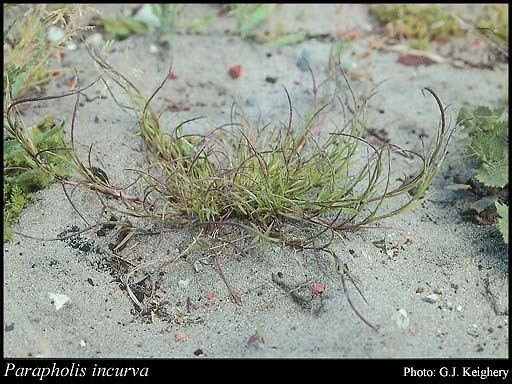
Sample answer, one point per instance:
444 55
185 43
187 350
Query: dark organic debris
78 242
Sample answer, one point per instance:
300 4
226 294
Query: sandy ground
438 249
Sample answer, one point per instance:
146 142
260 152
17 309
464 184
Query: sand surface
437 248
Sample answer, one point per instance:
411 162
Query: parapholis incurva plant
287 174
277 181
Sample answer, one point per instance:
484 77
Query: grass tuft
269 176
418 24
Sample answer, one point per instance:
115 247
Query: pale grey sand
437 249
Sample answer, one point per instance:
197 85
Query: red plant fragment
234 71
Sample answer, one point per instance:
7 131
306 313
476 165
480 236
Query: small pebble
82 343
318 288
459 308
183 284
472 330
438 291
401 318
58 300
256 341
433 298
181 336
234 71
153 49
197 266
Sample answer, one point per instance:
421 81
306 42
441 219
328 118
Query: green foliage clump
264 177
487 130
161 18
418 24
22 173
120 29
27 51
495 18
165 19
250 16
14 200
31 158
488 134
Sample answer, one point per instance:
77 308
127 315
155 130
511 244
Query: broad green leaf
487 142
493 174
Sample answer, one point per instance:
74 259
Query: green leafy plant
22 173
164 19
27 51
492 24
31 157
418 24
250 16
14 200
269 176
487 145
495 18
488 133
120 29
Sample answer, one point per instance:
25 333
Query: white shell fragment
401 319
58 300
433 298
